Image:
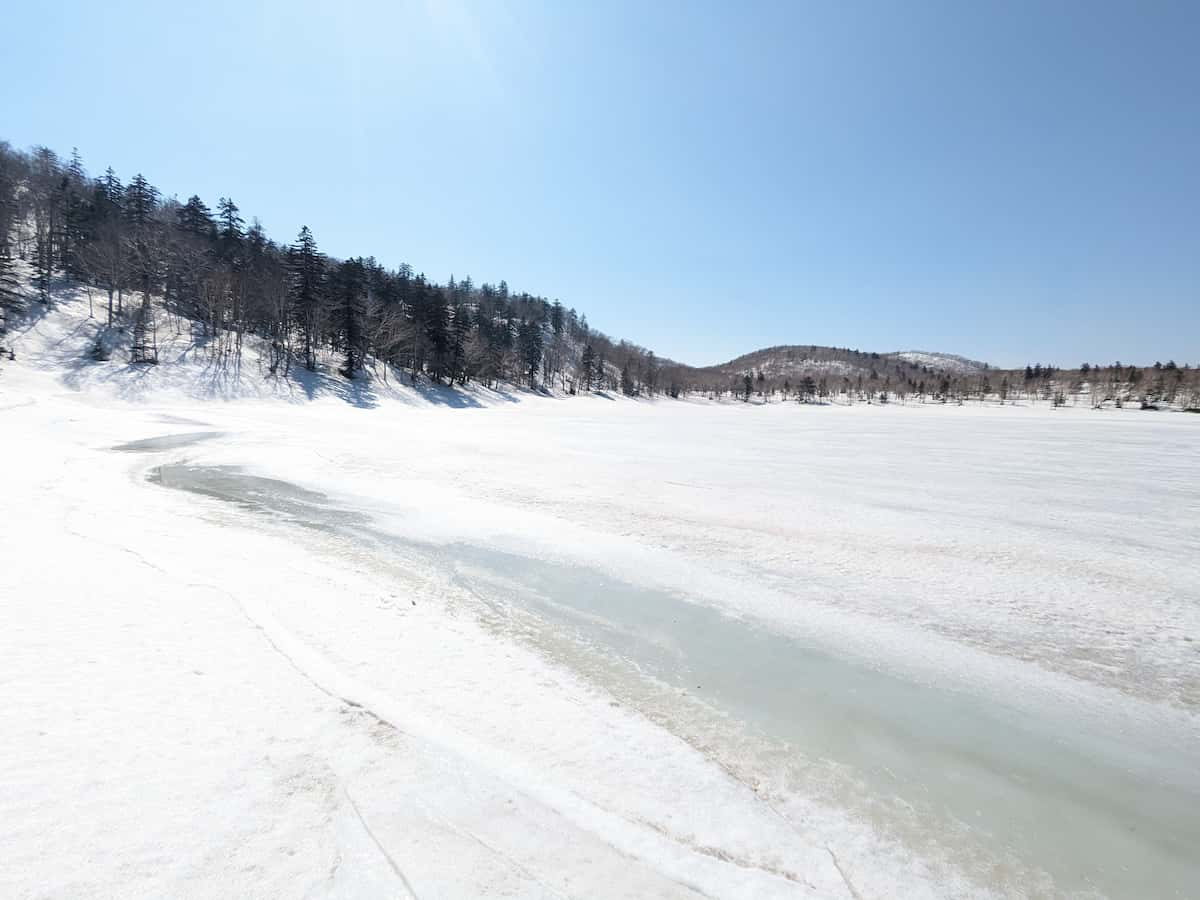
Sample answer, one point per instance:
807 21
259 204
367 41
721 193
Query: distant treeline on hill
1150 387
229 280
817 374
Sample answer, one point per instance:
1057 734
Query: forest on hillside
220 272
229 279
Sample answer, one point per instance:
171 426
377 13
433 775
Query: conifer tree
588 366
437 331
349 293
460 332
140 202
529 339
195 218
75 217
306 268
230 231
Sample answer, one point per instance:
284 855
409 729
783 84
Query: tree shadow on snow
196 366
443 395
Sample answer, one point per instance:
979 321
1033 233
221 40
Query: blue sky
1016 181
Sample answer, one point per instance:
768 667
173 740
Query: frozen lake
570 648
1012 793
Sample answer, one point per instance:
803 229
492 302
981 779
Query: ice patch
167 442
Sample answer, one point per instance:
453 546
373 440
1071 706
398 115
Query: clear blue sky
1016 181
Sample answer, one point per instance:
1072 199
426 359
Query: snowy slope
192 366
945 362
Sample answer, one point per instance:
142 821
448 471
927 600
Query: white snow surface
205 701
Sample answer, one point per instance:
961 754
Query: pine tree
588 367
808 388
529 338
306 268
229 219
349 290
435 323
114 191
75 217
144 250
140 202
195 218
460 331
230 231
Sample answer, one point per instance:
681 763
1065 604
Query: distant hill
818 373
794 362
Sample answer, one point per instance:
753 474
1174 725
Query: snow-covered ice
587 646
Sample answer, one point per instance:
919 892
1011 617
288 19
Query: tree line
1161 385
227 279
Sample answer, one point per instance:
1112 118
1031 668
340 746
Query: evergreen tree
195 218
143 248
230 231
460 332
113 190
348 289
306 269
529 337
808 389
76 216
588 367
140 202
436 324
